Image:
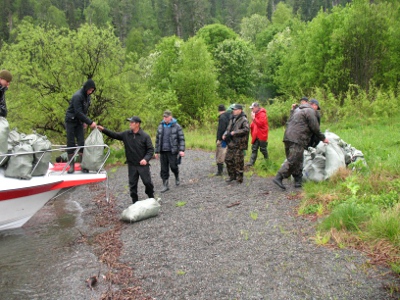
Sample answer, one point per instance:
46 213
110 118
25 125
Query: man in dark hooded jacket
302 124
76 118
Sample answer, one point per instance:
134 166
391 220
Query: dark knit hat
134 119
221 107
6 75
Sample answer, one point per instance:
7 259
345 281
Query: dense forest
189 56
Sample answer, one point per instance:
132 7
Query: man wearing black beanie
76 118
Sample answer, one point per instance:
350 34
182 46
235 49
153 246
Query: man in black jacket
138 151
76 118
223 121
5 79
170 146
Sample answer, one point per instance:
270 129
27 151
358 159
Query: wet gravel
236 241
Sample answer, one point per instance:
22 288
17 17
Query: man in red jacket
259 132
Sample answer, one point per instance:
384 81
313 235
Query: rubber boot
278 181
264 149
298 181
177 181
239 177
72 164
253 159
165 186
220 170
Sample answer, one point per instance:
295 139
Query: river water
43 260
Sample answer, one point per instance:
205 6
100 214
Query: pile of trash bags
321 162
28 165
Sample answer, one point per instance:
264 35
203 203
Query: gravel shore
236 241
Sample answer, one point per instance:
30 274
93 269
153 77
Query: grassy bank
359 209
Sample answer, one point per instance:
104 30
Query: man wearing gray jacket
170 147
302 124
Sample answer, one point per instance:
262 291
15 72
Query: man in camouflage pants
302 124
237 138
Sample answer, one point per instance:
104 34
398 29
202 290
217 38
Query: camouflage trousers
234 161
293 164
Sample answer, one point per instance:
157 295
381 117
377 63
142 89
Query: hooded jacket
259 126
302 124
176 138
79 105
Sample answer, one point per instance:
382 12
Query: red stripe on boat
28 191
70 183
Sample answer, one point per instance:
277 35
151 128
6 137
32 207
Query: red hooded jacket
259 126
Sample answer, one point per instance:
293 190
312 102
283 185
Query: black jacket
3 106
79 105
223 121
177 139
138 145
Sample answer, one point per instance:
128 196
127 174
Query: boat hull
17 211
20 200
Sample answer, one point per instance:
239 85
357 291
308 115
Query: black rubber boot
278 181
239 177
298 181
165 186
177 181
220 170
253 159
72 164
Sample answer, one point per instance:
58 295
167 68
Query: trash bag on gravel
141 210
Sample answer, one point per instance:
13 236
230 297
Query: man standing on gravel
237 137
302 124
138 151
223 121
259 132
170 147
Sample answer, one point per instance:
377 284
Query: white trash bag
141 210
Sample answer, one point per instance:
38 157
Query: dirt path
255 249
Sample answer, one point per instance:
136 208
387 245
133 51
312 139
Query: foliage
214 34
46 83
250 27
194 80
236 66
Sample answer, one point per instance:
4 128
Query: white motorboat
21 199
